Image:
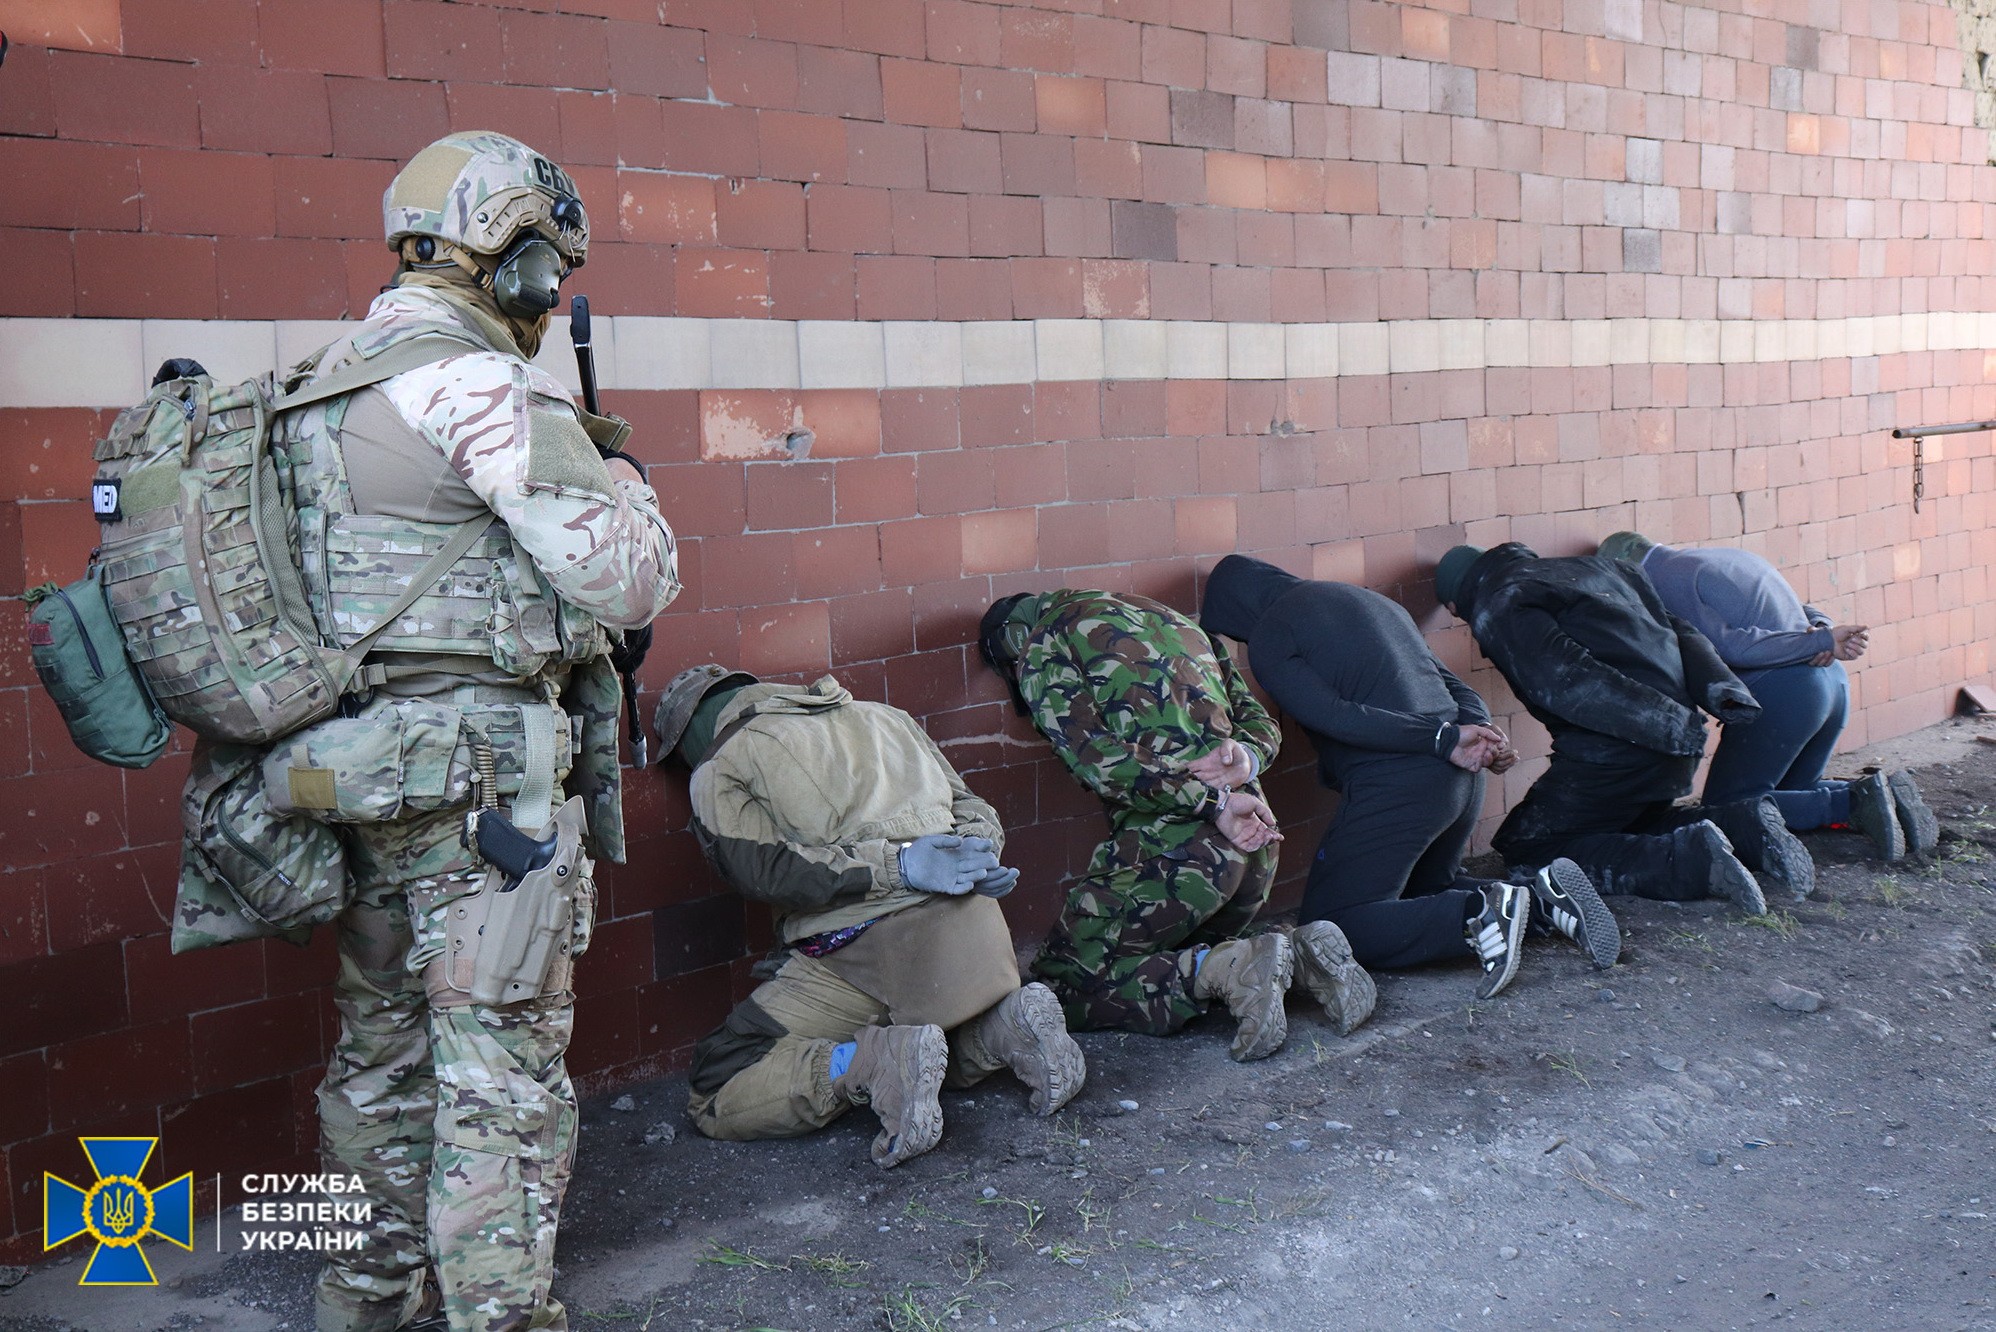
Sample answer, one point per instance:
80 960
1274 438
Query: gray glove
947 864
998 882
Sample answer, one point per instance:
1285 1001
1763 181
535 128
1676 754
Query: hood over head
1239 592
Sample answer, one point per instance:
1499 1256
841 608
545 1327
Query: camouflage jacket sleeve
511 431
747 847
1128 700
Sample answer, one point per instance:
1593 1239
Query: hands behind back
1247 822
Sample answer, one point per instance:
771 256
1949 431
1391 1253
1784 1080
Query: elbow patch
561 457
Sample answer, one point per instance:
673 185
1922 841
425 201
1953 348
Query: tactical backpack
199 560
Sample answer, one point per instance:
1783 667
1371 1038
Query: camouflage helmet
683 696
480 190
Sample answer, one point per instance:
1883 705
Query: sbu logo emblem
118 1212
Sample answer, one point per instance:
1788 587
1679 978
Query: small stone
1604 995
1273 1126
884 1229
1157 1170
1391 1113
1793 998
1336 1126
1708 1156
1299 1145
666 1223
1083 1142
1890 1141
623 1105
990 1192
1127 1107
1668 1063
1507 1252
660 1132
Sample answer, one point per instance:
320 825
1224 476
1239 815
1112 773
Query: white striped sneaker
1496 934
1564 899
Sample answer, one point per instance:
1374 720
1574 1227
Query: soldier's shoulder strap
397 359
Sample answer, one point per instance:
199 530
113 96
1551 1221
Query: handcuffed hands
1230 764
1247 822
948 864
1848 644
1477 747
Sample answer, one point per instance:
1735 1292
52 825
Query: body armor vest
490 615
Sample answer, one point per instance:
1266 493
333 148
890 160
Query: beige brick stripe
106 362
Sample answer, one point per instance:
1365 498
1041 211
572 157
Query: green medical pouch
80 655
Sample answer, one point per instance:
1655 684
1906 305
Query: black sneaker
1872 813
1496 934
1564 899
1781 855
1922 829
1706 860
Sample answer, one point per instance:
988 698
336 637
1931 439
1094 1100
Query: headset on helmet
491 205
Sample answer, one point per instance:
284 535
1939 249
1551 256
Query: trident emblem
118 1211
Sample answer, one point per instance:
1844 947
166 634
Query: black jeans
1613 819
1389 870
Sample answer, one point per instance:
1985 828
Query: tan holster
506 946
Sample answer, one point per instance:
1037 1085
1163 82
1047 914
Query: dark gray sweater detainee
1405 743
1621 684
1791 656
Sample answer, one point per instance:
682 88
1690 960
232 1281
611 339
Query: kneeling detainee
1619 682
1405 743
1148 714
1791 656
883 871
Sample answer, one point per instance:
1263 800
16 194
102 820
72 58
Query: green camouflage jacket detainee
1129 692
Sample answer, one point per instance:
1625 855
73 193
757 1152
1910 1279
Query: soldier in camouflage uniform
1149 714
447 1093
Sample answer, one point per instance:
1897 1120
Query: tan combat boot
1251 976
1326 968
898 1071
1027 1032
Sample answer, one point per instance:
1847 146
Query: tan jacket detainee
804 801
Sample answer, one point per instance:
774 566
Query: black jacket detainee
1621 684
1406 743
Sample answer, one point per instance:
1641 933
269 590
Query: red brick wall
901 160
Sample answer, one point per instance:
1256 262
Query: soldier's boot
1703 858
899 1072
1922 829
1250 976
1563 897
1326 968
429 1315
1027 1032
1873 813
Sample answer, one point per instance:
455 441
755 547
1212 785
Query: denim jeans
1783 753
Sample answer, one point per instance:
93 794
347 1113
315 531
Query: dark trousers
1782 754
1614 819
1389 871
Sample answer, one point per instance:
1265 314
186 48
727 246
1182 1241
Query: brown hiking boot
1326 968
899 1071
1251 976
1027 1032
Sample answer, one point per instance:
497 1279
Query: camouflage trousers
460 1120
1123 953
766 1073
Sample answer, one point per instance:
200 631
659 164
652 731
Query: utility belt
515 936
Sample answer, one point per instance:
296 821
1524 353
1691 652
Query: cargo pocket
246 870
369 769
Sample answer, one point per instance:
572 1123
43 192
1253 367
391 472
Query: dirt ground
1657 1145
